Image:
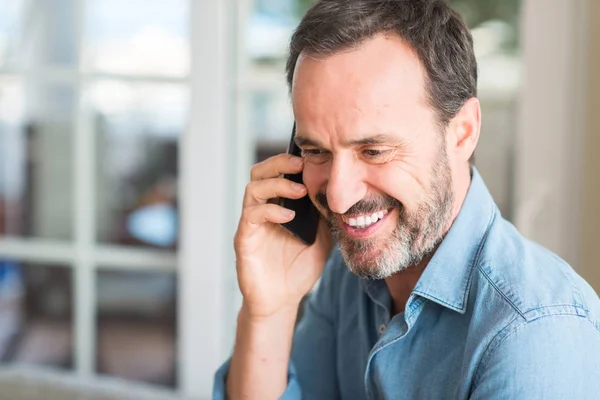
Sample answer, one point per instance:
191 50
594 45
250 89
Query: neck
401 284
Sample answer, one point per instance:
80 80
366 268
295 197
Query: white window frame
207 199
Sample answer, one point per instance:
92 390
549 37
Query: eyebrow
381 138
302 141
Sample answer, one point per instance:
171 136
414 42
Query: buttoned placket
395 330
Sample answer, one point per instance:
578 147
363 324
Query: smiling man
428 293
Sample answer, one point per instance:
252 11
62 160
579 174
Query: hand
275 270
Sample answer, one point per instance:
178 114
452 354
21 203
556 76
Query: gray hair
434 31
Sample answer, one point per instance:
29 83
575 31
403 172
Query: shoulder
554 356
523 293
530 280
531 310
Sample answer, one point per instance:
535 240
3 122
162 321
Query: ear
464 130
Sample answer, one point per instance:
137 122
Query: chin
377 261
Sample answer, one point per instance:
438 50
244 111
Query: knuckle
250 188
254 171
250 193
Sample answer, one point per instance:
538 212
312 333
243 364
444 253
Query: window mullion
84 223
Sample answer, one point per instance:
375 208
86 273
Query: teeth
374 217
365 221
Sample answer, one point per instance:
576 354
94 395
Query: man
429 293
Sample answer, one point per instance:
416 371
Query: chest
392 359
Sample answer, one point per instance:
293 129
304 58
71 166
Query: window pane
266 43
271 114
137 326
36 324
37 32
269 29
11 25
137 131
36 140
137 37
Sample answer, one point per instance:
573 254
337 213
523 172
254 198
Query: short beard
416 235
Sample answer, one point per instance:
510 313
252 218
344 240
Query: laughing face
376 160
371 253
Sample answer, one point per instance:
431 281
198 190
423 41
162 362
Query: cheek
395 181
314 178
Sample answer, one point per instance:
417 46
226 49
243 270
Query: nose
344 187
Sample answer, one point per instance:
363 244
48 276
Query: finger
260 192
254 217
275 166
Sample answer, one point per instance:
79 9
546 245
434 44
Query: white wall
549 143
591 186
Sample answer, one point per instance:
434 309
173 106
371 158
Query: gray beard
416 236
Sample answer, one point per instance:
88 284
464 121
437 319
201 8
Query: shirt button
381 329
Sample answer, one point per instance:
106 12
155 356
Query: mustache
364 206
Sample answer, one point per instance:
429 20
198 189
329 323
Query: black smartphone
306 221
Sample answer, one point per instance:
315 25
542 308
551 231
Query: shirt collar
447 277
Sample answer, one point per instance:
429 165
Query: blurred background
127 131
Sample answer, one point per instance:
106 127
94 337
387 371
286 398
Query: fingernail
297 161
297 187
287 212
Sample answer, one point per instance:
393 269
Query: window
94 98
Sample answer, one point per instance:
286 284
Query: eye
372 152
312 152
315 155
376 154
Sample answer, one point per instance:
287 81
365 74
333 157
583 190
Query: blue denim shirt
493 316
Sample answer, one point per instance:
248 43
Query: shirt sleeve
292 391
312 371
552 357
